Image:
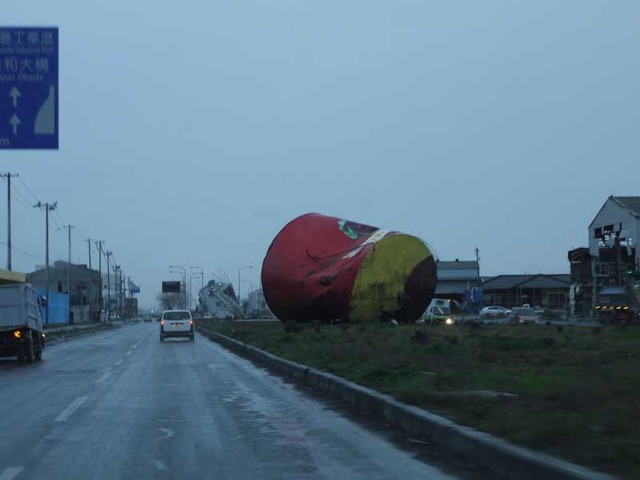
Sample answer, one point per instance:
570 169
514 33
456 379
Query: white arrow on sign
14 122
15 94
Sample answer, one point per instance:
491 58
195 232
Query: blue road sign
28 88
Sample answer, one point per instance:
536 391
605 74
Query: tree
171 301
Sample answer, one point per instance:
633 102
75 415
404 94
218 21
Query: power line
35 199
21 200
57 213
13 247
21 194
113 260
80 234
17 195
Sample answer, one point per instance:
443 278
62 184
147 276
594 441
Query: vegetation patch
570 392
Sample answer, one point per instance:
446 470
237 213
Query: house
546 291
457 278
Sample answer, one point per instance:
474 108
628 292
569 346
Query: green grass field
572 393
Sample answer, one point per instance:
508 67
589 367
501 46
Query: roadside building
219 299
542 290
83 290
617 227
613 251
458 280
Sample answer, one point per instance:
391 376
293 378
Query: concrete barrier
494 453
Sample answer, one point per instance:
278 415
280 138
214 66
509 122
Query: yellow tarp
9 277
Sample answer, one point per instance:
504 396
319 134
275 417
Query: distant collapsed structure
220 300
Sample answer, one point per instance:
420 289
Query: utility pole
119 291
118 283
108 286
8 176
47 208
99 246
69 227
123 293
116 269
90 297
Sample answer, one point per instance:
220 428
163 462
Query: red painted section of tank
305 275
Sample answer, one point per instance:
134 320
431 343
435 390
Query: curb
494 453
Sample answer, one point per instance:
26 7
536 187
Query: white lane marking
128 353
159 465
103 378
67 412
10 473
166 433
119 362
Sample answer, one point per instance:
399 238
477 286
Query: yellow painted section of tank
381 278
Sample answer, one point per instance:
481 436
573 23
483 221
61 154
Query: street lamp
239 271
196 267
190 290
184 275
181 283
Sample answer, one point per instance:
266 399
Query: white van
176 323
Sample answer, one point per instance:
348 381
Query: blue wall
58 308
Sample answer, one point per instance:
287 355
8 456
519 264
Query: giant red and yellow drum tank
326 268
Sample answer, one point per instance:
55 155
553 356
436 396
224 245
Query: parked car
494 311
524 315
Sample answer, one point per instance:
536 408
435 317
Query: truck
620 304
21 331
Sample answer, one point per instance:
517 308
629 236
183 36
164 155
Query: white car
176 323
494 312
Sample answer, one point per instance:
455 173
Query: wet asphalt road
119 404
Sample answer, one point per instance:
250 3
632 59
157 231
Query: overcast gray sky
192 131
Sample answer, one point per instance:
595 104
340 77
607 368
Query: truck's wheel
29 350
38 354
